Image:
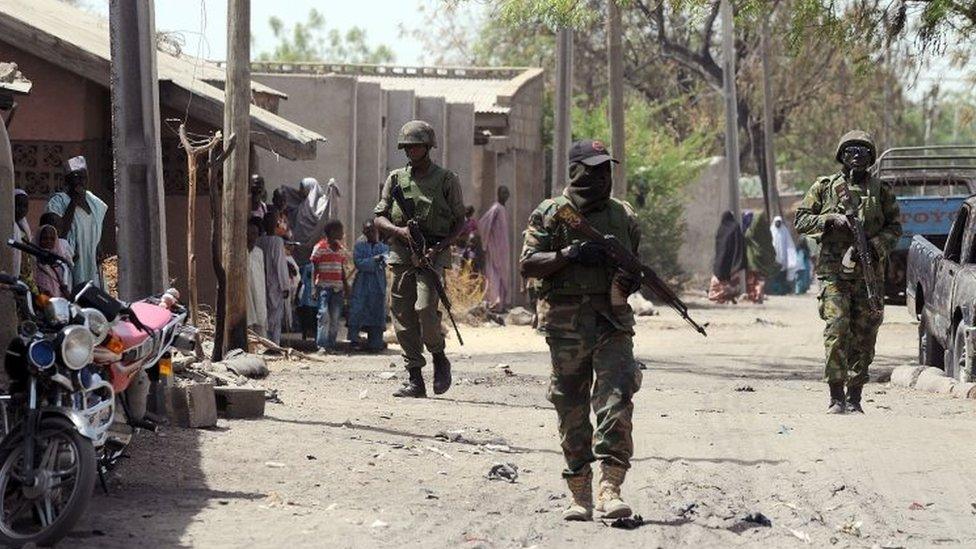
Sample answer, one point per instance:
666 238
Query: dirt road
342 464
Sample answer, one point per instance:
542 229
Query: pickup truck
941 294
930 184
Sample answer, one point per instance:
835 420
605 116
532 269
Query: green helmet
856 137
416 132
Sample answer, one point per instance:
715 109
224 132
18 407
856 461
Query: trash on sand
504 448
784 430
386 375
802 536
274 464
378 524
310 457
627 523
916 506
503 471
758 518
440 452
745 389
686 509
851 528
363 394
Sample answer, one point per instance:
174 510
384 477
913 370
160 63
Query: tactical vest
868 203
428 194
576 279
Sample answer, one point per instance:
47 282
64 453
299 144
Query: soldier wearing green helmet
439 210
851 324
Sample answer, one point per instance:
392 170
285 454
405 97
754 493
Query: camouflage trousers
851 330
416 316
604 354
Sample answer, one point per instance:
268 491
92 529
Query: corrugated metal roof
78 41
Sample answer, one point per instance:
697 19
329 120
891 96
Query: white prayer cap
77 164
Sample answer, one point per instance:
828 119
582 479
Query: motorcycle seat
152 316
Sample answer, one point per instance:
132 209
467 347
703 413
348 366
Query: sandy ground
340 463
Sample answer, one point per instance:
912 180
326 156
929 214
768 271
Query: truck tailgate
923 256
927 216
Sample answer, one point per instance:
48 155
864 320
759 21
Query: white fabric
257 306
85 234
22 233
785 248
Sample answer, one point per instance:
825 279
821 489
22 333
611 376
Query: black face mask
589 186
856 159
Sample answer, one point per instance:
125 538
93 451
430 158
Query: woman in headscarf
782 283
50 279
760 258
729 260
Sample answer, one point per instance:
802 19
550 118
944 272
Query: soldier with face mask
583 313
851 323
439 211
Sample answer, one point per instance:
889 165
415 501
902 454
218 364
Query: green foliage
312 41
659 168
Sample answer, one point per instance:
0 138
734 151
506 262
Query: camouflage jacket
876 208
561 306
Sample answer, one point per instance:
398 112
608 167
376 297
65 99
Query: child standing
329 259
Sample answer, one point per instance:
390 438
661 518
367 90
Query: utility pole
237 121
773 205
140 215
615 64
731 106
563 124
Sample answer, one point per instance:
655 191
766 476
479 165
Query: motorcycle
53 417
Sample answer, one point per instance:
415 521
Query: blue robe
367 305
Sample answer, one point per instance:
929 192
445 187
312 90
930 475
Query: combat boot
837 405
854 399
414 386
442 373
608 500
581 488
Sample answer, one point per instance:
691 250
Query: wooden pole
235 200
768 129
731 106
615 66
562 124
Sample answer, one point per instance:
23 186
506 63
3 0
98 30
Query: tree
312 41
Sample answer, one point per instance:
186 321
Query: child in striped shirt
329 260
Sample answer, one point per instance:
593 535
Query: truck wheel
930 353
956 368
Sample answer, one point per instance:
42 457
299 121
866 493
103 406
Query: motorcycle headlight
77 346
97 324
42 354
58 310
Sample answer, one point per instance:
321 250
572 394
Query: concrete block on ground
963 390
240 402
905 376
251 366
934 380
193 405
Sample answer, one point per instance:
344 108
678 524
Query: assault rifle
418 251
627 261
861 248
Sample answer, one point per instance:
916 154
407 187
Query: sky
207 18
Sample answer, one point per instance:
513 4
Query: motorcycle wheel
66 472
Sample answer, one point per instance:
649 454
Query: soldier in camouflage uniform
852 327
583 312
439 209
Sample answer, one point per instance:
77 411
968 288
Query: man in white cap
82 214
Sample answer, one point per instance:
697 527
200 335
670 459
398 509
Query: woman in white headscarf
782 284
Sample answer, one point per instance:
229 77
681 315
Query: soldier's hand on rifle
403 233
588 254
626 282
836 222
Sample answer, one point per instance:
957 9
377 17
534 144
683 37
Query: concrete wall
327 105
400 109
434 111
460 147
370 147
705 200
